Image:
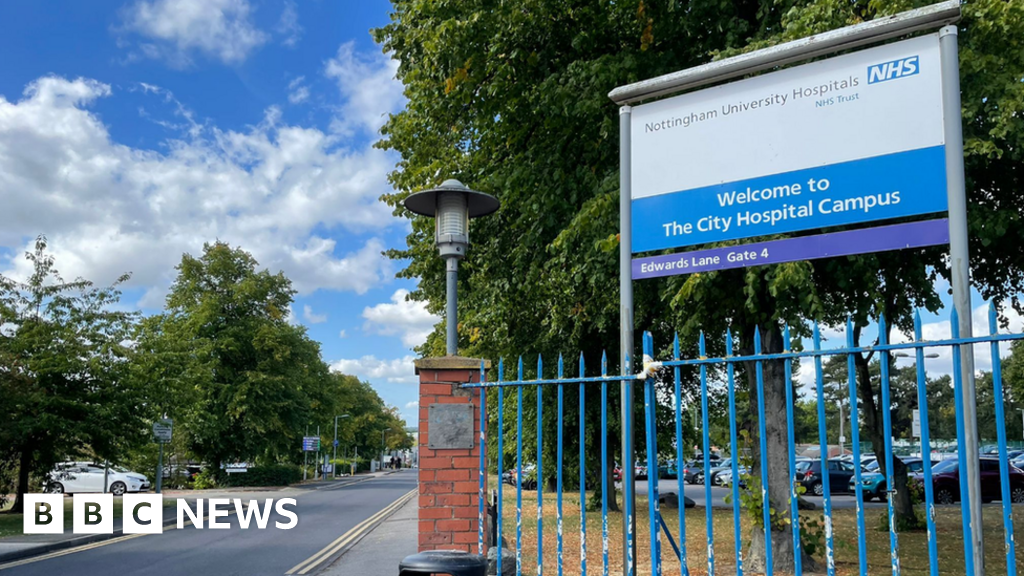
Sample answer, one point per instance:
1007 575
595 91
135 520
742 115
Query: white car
79 477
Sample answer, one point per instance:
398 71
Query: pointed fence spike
582 369
881 324
757 339
701 344
785 337
917 326
816 336
604 363
520 368
954 324
728 341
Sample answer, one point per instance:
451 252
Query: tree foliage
63 366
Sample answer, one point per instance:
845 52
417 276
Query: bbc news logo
893 70
144 513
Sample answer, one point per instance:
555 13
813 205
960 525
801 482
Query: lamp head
451 205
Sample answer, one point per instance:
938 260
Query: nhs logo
892 70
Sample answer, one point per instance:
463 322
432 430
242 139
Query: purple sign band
878 239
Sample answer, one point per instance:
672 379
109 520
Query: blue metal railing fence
653 403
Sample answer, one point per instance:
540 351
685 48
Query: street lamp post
451 205
334 465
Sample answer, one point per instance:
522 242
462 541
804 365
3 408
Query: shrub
205 479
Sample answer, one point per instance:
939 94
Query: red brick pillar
448 477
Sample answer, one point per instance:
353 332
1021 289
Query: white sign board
162 431
849 139
915 426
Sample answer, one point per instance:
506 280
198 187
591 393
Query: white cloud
982 352
412 405
288 25
368 88
407 318
273 189
399 370
175 29
311 317
297 92
342 334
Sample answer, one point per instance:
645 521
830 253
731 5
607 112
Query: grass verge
912 545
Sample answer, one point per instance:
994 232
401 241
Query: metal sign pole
160 469
626 335
960 272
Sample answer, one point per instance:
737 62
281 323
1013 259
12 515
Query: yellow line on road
345 539
84 547
67 551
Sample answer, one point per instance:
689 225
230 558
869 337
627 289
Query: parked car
946 481
724 478
691 471
694 473
673 470
808 474
717 470
873 483
641 470
529 476
1018 461
81 477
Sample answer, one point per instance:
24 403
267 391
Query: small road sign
310 443
162 431
336 443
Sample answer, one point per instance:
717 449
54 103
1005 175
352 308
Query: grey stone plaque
450 426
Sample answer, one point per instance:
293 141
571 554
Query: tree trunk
903 506
24 466
779 480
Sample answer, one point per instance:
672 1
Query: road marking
348 537
101 543
67 551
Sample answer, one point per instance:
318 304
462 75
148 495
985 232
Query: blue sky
132 131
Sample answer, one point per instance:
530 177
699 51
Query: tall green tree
240 381
511 98
63 385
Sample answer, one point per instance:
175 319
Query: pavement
379 552
333 516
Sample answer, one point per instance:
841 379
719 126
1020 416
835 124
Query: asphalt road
324 515
718 494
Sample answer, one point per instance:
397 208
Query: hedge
271 475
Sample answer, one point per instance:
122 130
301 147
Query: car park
84 477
